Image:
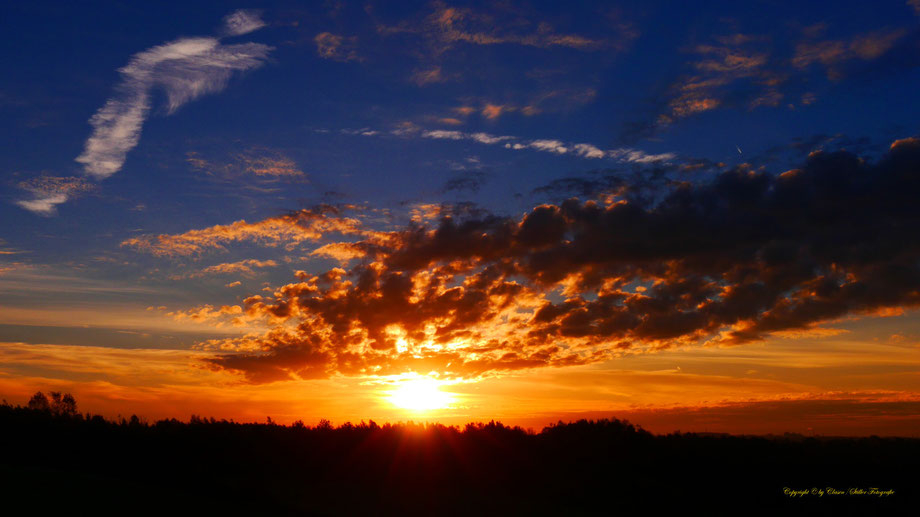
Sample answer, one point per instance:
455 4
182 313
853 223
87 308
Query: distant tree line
588 467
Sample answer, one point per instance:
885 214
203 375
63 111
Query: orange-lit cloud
243 267
207 313
745 61
341 251
727 395
493 111
736 58
265 164
425 77
448 26
336 47
832 53
728 261
50 191
288 230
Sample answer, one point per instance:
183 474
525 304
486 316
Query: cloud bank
728 260
184 69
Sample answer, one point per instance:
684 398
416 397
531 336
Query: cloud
268 166
623 154
9 251
485 138
343 252
336 48
50 191
471 181
737 62
637 156
833 54
244 267
46 206
441 134
242 22
446 27
424 212
430 76
588 151
493 111
265 164
737 257
208 313
553 146
746 71
559 99
184 69
832 414
290 230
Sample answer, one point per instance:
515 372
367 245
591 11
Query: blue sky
123 122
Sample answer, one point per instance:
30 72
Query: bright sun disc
420 395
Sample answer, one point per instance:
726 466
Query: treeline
586 467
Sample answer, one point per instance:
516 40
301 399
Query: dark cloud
800 147
469 181
729 260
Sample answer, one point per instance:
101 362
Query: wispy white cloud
442 134
242 22
50 191
485 138
584 150
44 205
551 146
637 156
185 69
588 151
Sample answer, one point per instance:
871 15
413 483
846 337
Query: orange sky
826 383
695 220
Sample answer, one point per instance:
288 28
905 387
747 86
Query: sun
420 395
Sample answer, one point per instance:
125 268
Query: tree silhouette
570 468
60 404
63 405
39 402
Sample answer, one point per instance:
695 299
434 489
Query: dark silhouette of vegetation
603 467
58 405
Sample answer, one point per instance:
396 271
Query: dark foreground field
61 462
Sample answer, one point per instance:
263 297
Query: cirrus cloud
184 69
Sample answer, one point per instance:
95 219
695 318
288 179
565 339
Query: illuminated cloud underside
731 260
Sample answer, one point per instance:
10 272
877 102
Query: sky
696 217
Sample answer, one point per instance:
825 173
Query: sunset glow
420 395
700 217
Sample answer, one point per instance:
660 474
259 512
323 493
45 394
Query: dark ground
56 462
